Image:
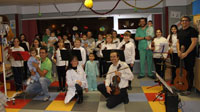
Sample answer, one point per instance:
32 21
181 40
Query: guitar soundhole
180 83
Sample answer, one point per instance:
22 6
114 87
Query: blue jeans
40 86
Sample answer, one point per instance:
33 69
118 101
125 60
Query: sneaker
54 75
129 88
80 100
140 77
156 81
41 94
126 100
32 81
152 77
46 98
28 82
63 90
185 93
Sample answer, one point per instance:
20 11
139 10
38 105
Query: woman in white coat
76 80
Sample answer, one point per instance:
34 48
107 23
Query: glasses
184 20
42 52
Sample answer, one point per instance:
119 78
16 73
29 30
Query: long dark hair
69 64
38 41
21 36
170 35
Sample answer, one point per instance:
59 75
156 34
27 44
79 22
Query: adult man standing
125 75
45 80
187 37
46 37
144 52
91 44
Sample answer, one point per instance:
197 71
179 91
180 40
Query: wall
183 10
48 10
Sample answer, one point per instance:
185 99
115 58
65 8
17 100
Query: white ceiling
32 2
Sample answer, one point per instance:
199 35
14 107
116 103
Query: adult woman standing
36 44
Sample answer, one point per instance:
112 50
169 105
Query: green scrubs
144 53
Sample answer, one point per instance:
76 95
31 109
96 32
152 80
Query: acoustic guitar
180 81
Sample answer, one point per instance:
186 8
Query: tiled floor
141 100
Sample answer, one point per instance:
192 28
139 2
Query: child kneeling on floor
76 80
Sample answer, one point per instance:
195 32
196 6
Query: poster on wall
175 14
196 21
12 24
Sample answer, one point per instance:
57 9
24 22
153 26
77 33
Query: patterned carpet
141 100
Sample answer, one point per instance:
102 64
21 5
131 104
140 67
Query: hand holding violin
108 89
117 73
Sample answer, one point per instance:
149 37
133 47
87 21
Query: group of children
69 71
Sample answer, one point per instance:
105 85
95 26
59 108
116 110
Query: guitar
180 81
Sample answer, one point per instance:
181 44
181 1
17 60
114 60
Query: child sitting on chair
33 58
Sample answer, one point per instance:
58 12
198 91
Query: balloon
88 3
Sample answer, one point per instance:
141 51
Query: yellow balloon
88 3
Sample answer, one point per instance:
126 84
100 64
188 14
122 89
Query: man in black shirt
187 36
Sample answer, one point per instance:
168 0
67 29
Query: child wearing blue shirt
33 58
91 69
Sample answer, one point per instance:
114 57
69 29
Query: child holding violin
122 74
129 51
172 39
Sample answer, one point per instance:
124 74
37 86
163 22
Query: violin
124 46
152 45
100 44
170 45
54 56
115 86
9 52
180 82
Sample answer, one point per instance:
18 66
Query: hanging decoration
74 14
88 3
74 28
39 13
102 28
85 27
135 9
107 11
142 8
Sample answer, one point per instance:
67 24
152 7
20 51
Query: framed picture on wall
129 22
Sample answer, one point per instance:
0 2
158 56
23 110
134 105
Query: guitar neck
181 67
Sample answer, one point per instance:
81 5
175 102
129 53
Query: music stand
171 97
163 51
67 54
106 54
67 46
